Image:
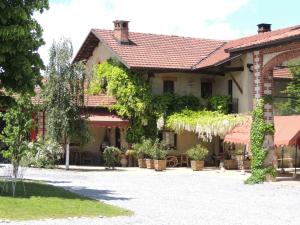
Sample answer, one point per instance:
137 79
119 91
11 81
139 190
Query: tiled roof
283 73
157 51
222 53
100 100
180 53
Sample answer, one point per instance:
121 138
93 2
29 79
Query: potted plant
111 155
197 155
123 159
159 153
142 150
131 156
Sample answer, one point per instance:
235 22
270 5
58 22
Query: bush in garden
197 153
111 156
43 154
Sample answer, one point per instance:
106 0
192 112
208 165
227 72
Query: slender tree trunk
67 153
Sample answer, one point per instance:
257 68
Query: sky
216 19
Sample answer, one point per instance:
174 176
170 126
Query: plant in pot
111 156
145 149
159 153
197 155
138 148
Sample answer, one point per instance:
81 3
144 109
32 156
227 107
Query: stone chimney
121 31
263 27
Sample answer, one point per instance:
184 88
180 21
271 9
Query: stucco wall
100 54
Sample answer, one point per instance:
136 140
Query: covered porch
106 129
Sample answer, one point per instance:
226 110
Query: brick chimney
263 27
121 31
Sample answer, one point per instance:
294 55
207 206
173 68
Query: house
244 69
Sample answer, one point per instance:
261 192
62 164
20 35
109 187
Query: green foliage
199 152
111 156
64 96
19 122
259 129
292 105
21 37
205 123
43 154
142 148
158 150
219 103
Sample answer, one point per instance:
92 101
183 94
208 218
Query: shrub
111 156
158 150
143 149
43 154
219 103
198 152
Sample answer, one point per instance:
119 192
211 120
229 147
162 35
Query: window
170 138
206 89
168 86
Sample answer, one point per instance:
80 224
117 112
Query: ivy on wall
259 129
148 112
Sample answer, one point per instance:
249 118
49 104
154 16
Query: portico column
263 87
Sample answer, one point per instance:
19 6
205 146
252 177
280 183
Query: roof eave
262 45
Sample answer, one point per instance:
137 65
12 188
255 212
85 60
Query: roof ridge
166 35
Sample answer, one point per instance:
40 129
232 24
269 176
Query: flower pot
123 161
197 165
231 164
270 178
160 165
149 164
142 163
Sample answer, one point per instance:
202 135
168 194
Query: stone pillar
263 86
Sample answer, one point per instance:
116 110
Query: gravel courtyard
176 197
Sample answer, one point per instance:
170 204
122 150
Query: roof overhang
238 50
107 120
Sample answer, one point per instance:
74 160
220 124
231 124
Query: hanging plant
204 123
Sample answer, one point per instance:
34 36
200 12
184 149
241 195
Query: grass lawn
45 201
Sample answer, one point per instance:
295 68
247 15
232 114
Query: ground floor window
170 138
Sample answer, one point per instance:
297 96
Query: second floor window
206 89
168 86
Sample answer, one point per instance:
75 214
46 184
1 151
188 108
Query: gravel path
177 197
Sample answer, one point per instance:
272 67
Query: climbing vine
259 129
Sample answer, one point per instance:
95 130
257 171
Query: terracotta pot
142 163
231 164
149 163
124 161
160 165
197 165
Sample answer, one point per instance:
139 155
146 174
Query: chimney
121 29
263 27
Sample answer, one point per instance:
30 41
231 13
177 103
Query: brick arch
268 68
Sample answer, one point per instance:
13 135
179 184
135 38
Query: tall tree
20 38
64 97
292 105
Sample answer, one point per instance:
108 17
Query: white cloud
196 18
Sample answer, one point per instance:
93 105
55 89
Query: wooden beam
236 83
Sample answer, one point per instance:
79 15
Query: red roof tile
157 51
173 52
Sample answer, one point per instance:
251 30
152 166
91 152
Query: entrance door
118 137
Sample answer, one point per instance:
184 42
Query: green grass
45 201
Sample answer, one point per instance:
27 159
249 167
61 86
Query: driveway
176 197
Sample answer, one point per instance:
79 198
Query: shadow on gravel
107 195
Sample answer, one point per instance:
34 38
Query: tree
19 122
21 36
292 105
64 97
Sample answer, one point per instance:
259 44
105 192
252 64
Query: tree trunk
67 153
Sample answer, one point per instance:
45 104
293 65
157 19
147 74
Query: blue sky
217 19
